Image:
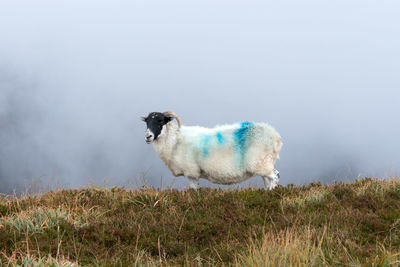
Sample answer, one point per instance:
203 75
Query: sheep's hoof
277 173
193 184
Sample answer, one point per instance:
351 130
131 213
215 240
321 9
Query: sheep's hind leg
193 183
271 181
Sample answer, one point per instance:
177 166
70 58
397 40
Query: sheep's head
155 122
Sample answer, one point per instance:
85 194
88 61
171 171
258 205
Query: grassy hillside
314 225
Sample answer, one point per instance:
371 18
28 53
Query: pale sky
75 77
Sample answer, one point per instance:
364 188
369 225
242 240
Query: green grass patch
315 225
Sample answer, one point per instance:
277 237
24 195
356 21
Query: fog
75 76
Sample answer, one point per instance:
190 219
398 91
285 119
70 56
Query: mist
76 76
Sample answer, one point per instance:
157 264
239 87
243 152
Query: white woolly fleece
225 154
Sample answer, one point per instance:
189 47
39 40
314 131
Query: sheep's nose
148 137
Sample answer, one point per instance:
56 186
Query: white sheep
225 154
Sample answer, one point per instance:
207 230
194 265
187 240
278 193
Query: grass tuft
316 225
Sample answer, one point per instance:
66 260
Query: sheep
225 154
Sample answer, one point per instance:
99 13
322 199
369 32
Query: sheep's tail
277 146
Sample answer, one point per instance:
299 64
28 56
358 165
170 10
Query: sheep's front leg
193 182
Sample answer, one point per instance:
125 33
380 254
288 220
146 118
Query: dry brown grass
342 224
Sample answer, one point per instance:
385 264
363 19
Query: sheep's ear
168 119
143 118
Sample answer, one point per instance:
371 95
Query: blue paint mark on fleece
205 145
240 138
220 138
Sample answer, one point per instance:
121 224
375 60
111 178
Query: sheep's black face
155 123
